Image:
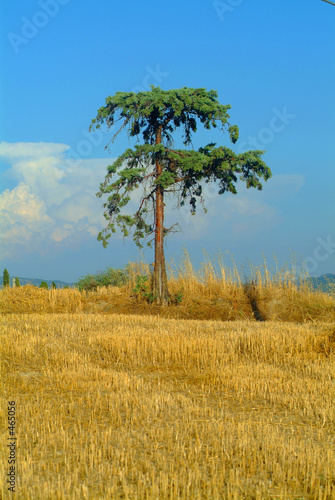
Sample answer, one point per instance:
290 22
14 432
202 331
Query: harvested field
139 407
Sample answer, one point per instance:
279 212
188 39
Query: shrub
142 289
44 284
110 277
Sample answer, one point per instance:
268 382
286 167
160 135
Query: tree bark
159 282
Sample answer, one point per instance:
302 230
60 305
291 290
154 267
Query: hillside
324 283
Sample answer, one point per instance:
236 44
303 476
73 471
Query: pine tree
155 115
17 281
5 279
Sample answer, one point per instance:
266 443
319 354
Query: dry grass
213 293
134 407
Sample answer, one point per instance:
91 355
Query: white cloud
54 201
23 219
44 178
31 149
61 233
20 205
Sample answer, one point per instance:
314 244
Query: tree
44 284
53 285
5 278
17 281
156 114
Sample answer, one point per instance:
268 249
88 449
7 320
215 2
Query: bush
110 277
44 284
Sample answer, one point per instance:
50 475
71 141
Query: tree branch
145 199
114 136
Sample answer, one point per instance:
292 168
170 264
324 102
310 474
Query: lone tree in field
5 278
160 169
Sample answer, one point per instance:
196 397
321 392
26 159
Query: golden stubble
140 407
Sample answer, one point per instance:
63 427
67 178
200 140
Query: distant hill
324 283
37 282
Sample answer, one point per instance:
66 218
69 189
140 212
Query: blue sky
272 61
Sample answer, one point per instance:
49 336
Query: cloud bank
53 204
54 201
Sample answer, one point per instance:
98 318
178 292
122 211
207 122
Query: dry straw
140 407
215 292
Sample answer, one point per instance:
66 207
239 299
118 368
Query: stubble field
113 406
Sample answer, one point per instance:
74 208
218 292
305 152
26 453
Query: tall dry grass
134 407
215 292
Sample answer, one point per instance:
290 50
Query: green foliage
183 171
17 282
110 277
5 279
141 285
53 285
142 289
44 284
178 297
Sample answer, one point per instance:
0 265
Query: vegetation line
212 293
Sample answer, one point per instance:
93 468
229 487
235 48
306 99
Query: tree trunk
159 282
